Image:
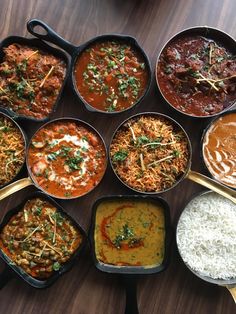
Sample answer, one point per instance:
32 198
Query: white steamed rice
206 236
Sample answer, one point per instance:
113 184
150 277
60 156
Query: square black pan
46 48
12 269
130 274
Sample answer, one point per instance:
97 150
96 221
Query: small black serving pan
202 141
219 36
230 284
25 144
130 274
22 183
75 51
11 269
44 47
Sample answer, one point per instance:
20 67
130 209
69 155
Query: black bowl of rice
206 238
12 149
150 153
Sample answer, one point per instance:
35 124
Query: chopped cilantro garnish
121 155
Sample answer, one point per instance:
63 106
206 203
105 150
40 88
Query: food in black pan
130 233
111 76
31 80
197 75
206 236
219 149
12 152
149 153
67 159
39 238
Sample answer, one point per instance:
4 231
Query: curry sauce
39 238
31 80
130 233
67 159
219 149
111 76
197 75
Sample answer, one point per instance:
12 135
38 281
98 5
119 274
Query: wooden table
84 289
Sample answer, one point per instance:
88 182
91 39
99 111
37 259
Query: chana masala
130 233
111 76
12 152
31 80
39 238
67 159
149 153
197 75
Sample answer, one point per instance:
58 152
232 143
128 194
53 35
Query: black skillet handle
9 113
50 36
5 276
131 306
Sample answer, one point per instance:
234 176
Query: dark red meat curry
197 76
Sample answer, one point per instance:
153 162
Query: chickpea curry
197 75
31 80
39 238
66 159
111 76
130 233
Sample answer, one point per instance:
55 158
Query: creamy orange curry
219 149
67 159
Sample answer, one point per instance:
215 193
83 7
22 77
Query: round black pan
52 37
222 38
44 47
203 138
130 274
22 183
230 284
11 269
25 141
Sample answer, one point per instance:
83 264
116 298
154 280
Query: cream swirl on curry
66 159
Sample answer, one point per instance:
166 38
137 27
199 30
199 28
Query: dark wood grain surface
84 289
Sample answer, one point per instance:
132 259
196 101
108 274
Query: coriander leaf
74 162
121 155
143 140
176 153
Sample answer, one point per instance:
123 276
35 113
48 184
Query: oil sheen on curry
39 239
219 149
66 159
130 233
197 75
111 76
31 81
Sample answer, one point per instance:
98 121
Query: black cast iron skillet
130 274
220 37
22 183
205 131
11 269
189 174
52 37
25 143
44 47
230 284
